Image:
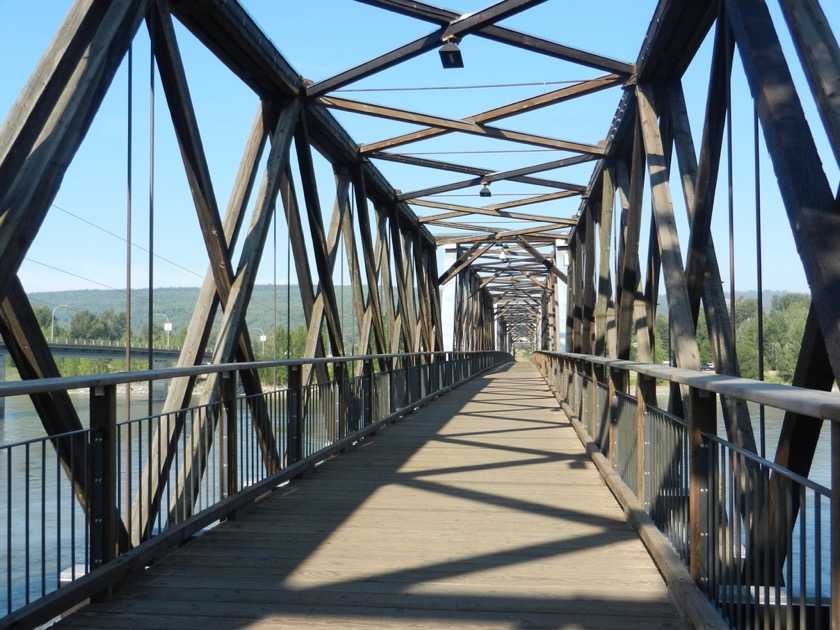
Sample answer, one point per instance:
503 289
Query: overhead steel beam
457 27
437 15
498 113
486 131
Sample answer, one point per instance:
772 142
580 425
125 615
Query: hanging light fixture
485 190
503 253
450 54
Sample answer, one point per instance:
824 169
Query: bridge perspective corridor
480 510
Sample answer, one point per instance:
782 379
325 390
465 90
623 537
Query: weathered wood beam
499 113
807 195
55 111
459 211
604 262
231 34
420 10
704 175
231 327
463 261
820 56
300 255
180 391
486 131
316 229
456 28
532 200
550 267
31 355
631 189
371 261
489 178
174 82
474 170
682 322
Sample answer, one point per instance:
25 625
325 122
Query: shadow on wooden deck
480 510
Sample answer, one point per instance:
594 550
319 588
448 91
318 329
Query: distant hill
178 304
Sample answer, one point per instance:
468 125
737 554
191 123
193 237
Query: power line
124 240
462 87
479 152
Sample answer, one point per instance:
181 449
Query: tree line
784 326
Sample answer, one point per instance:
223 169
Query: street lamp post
167 327
52 321
262 339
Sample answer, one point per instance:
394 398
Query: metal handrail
310 423
750 532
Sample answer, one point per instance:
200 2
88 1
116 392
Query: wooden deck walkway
480 510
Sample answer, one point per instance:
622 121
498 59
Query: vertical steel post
701 419
294 421
644 386
104 515
341 399
367 392
835 525
228 435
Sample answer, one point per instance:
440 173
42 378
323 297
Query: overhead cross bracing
512 238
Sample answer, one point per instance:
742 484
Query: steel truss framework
507 280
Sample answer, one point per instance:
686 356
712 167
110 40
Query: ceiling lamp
485 190
450 54
503 253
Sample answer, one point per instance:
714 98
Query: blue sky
81 244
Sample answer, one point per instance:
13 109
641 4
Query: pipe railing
79 507
758 539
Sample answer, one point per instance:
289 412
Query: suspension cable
759 272
151 195
730 183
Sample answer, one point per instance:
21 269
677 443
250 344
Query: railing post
645 385
294 422
227 433
617 384
701 419
341 399
104 513
367 393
